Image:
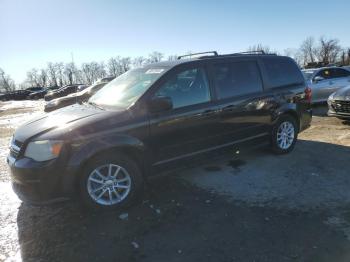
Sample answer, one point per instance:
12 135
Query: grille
341 106
15 148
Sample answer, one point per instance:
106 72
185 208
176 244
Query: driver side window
186 88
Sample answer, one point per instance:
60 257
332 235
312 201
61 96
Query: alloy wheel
285 135
109 184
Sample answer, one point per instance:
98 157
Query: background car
78 97
15 95
35 89
325 81
339 103
63 91
42 93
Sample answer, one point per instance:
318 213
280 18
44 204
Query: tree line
311 52
60 74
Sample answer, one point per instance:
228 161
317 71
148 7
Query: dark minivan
153 118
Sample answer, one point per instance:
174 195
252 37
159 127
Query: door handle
229 108
208 112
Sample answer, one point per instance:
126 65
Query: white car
325 81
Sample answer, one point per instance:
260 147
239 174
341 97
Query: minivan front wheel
109 182
284 134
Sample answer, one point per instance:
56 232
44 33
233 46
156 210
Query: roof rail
261 52
242 53
214 53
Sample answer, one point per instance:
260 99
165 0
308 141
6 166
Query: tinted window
236 79
337 72
282 71
186 88
326 73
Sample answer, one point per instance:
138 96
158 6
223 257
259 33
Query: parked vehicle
79 97
63 91
40 94
35 89
155 118
81 87
339 103
15 95
325 81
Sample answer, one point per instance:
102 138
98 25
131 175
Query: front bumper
40 182
339 115
305 119
341 112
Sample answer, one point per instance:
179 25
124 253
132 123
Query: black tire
124 161
276 148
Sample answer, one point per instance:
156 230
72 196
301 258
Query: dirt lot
251 206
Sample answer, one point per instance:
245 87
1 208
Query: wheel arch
80 157
288 110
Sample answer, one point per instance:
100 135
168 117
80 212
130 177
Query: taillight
308 94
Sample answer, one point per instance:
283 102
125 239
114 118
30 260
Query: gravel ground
251 206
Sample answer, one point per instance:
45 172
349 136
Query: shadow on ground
320 109
180 222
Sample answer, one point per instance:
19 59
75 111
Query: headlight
51 103
330 98
43 150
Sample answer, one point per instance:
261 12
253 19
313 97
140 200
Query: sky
34 32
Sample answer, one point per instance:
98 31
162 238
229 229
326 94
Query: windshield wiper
96 105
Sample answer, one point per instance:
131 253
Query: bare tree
113 66
155 57
51 71
93 71
101 72
172 57
308 50
125 64
59 73
139 61
70 73
33 77
6 83
42 78
329 50
259 47
296 54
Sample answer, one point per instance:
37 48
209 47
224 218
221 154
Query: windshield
308 74
126 88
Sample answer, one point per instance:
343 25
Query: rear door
341 77
244 108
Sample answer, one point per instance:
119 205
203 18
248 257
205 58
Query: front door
187 128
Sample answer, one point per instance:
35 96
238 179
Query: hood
342 94
58 118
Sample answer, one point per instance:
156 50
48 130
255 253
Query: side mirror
160 104
318 79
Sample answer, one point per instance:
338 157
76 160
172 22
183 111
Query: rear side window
326 74
338 72
235 79
282 71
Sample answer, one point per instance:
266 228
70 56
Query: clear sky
33 32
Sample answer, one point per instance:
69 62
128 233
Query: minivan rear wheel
109 182
284 134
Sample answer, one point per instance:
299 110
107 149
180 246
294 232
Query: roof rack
214 53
